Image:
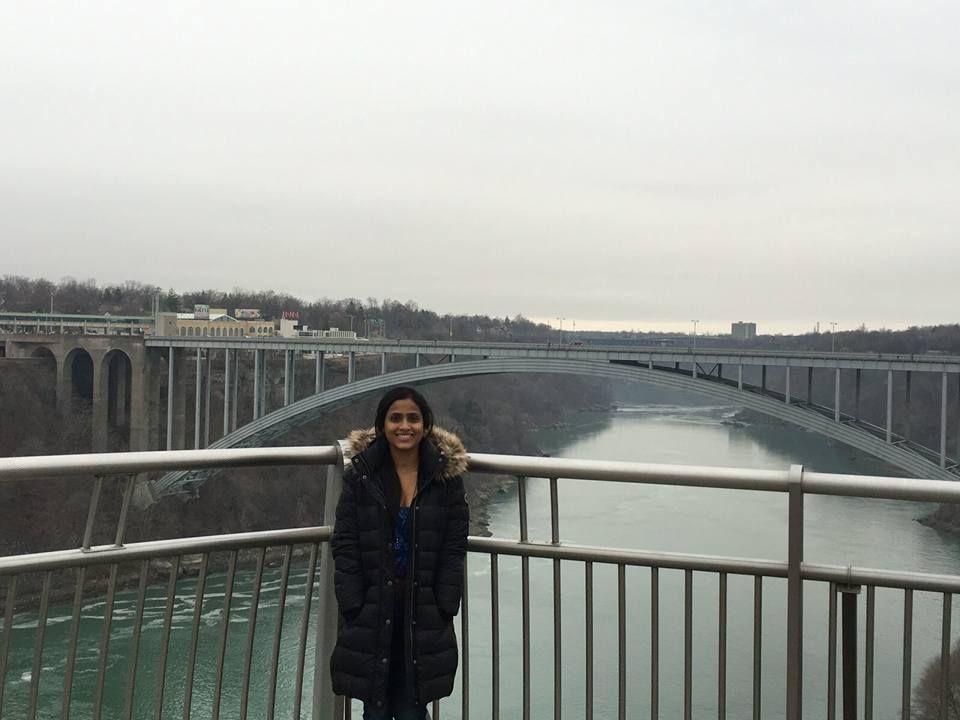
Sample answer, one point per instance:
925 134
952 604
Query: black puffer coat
364 562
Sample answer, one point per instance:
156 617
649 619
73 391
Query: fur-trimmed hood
447 443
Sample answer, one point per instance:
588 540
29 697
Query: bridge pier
943 419
319 382
786 385
235 391
100 414
207 395
856 401
810 386
351 366
889 406
256 383
836 396
383 363
197 400
907 414
763 378
416 362
176 403
226 390
739 377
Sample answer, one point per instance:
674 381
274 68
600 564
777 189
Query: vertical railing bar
38 645
557 644
251 632
495 635
525 610
92 512
278 634
554 512
465 645
224 631
907 653
757 643
557 618
868 655
945 655
688 644
124 511
722 650
832 654
135 640
7 632
194 637
522 503
72 647
588 624
165 640
654 643
622 640
304 626
105 641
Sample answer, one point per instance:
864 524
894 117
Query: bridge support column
786 385
287 377
453 357
227 378
171 355
197 400
417 360
176 403
943 419
351 366
140 376
810 386
957 450
64 384
763 378
907 414
739 377
889 405
320 372
383 363
693 369
207 396
234 401
256 383
101 397
836 396
856 401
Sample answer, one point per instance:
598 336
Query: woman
399 546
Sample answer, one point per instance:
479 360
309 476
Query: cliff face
491 414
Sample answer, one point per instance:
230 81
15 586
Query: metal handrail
795 482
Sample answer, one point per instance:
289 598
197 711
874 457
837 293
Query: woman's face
403 426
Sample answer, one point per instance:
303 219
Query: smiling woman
399 545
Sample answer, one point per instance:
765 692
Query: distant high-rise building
743 330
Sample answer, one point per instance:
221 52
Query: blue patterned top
401 543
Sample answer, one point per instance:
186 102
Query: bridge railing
233 682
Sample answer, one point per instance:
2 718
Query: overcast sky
634 164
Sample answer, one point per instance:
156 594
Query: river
718 522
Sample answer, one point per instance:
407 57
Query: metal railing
132 689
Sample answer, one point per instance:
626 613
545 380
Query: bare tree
927 693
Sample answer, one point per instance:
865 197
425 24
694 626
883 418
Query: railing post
324 701
848 644
795 595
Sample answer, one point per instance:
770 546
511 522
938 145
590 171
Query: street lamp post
833 336
695 333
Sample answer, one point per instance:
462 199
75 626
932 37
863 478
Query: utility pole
833 336
695 333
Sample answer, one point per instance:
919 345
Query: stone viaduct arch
262 431
110 374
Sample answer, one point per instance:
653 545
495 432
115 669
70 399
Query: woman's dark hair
402 392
